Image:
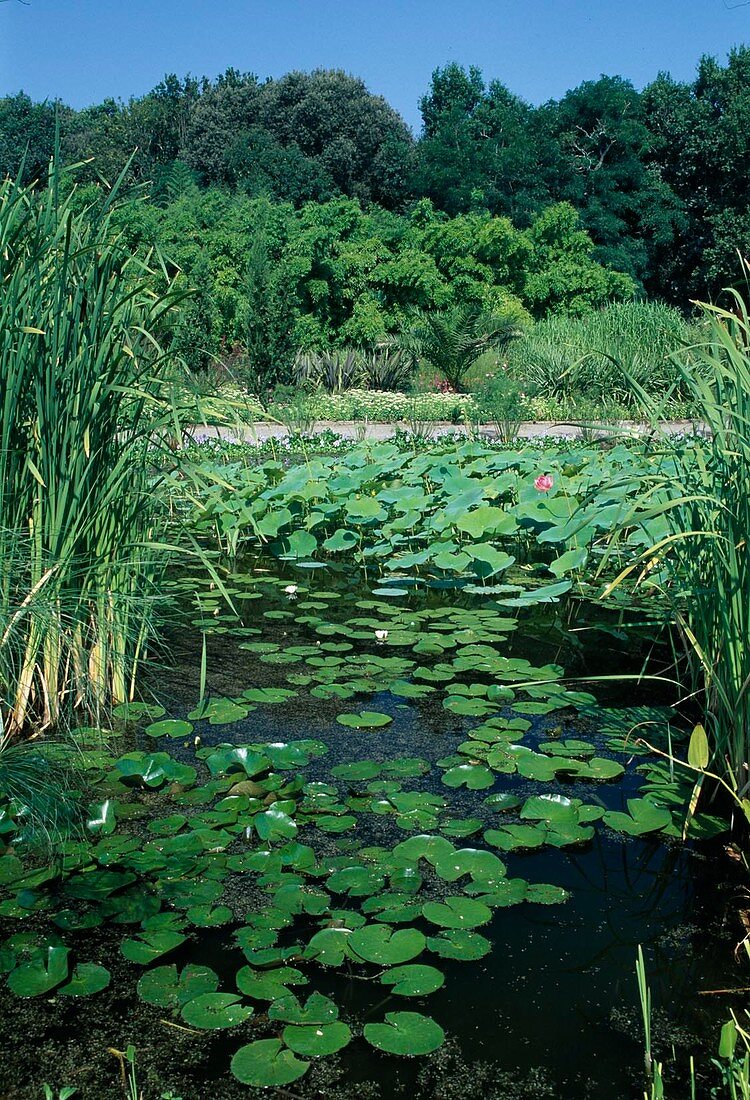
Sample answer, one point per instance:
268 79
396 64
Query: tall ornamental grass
608 356
78 407
702 561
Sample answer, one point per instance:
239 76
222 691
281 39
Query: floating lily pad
475 777
317 1040
267 1064
459 944
457 912
405 1033
87 978
40 974
147 946
170 727
163 986
366 719
213 1011
642 817
377 943
413 980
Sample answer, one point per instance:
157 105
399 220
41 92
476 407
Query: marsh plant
702 563
79 405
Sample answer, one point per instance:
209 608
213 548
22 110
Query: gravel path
358 430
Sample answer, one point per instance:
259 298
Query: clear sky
84 50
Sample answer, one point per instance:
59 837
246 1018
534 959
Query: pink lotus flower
544 483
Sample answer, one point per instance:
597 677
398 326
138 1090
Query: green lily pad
328 946
413 980
457 912
41 973
268 985
317 1040
475 777
274 825
213 1011
87 978
147 946
170 727
267 1064
642 817
366 719
378 943
405 1033
163 986
318 1009
459 944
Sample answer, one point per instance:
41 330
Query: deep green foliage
658 177
452 340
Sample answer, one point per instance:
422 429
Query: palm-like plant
452 340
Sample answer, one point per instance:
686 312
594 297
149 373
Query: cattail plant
80 406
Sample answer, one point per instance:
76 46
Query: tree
27 135
481 146
270 309
561 275
355 137
452 340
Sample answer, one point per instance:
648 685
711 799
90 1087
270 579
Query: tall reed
703 560
79 405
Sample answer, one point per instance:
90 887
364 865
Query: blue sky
84 50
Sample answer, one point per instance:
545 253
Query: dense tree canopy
305 205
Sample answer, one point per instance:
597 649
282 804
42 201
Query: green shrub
605 356
501 401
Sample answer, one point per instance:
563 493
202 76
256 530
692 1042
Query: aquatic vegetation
80 404
699 559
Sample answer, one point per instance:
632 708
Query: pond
384 823
393 849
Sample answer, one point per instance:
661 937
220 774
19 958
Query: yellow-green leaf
698 749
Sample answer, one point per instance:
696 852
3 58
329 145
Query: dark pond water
552 1010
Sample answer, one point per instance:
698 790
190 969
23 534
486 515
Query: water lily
381 636
544 483
291 591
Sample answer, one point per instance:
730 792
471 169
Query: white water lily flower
291 591
381 635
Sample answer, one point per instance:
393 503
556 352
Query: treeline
302 213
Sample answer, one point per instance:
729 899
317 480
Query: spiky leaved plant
79 407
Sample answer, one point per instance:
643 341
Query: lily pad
87 978
380 944
213 1011
267 1064
163 986
413 980
405 1033
457 912
366 719
317 1040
